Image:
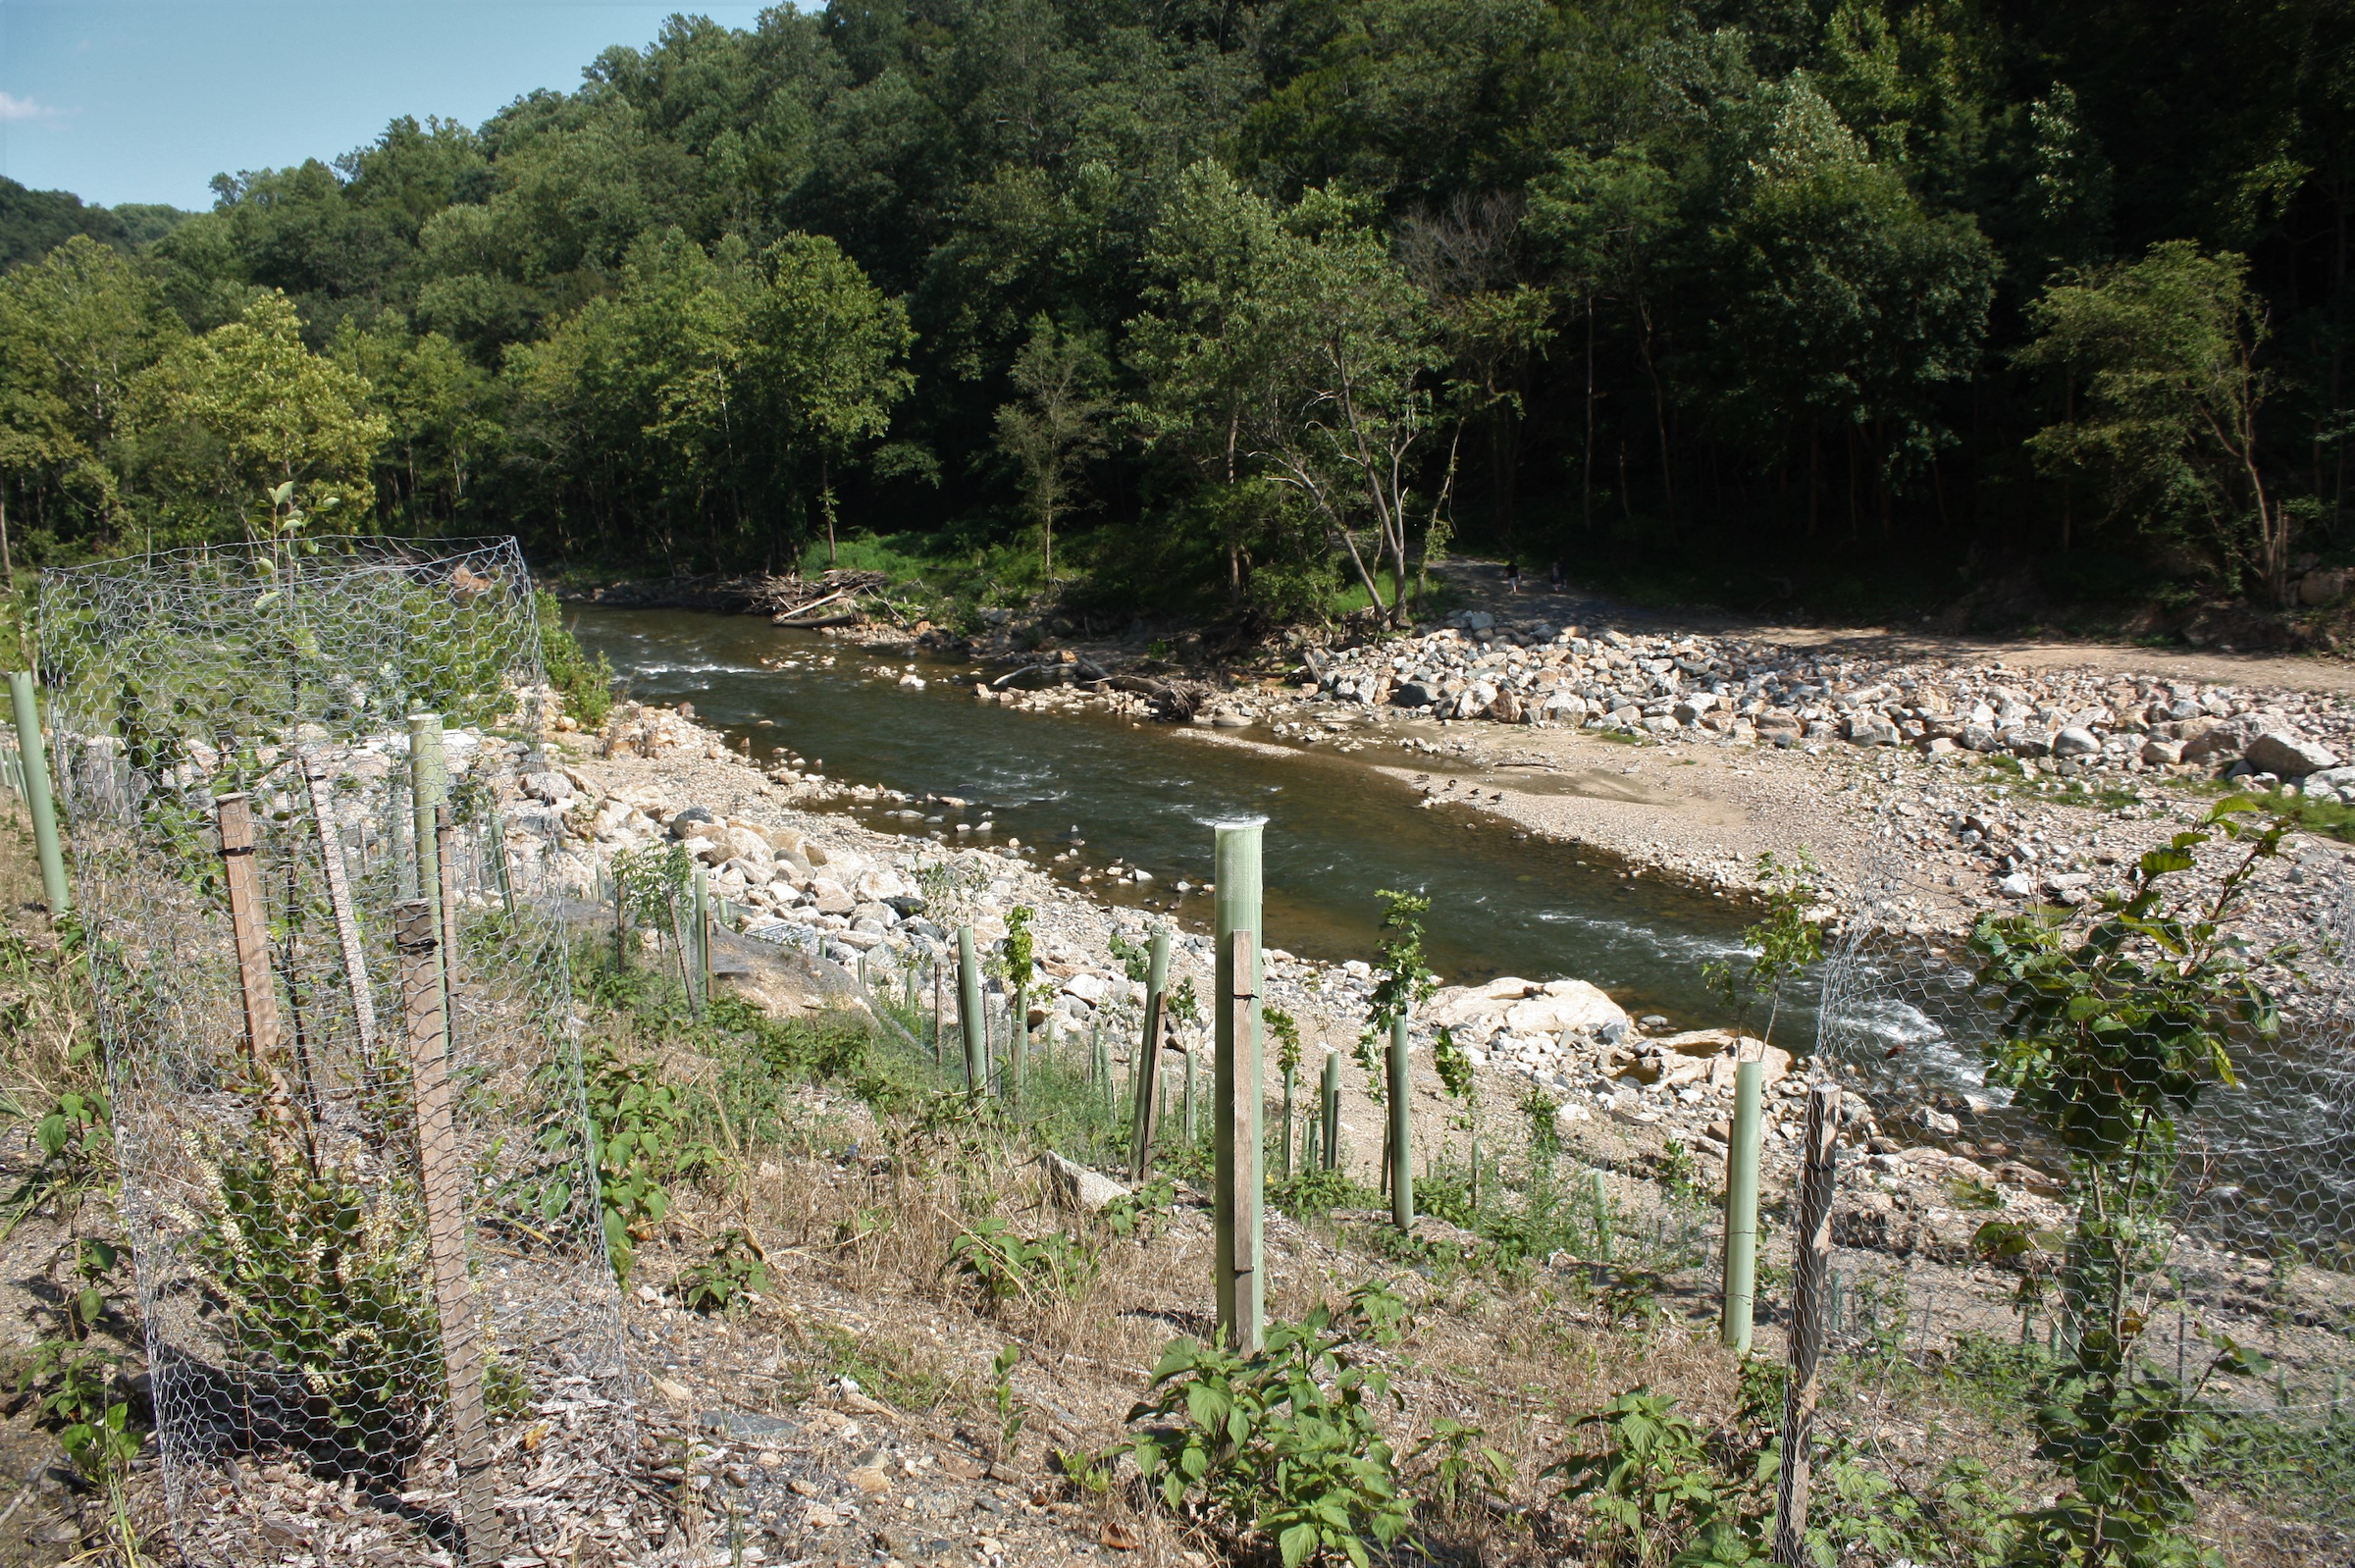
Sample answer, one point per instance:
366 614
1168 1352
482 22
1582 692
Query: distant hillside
33 223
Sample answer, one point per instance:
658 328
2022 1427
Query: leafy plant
1402 982
2110 1033
1132 1213
729 1279
1011 1416
1006 1265
644 1143
1786 943
1466 1469
1282 1442
586 684
1652 1487
318 1283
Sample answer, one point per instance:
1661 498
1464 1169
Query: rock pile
1697 689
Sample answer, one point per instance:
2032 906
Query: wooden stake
442 1172
339 900
244 882
1811 1266
1144 1120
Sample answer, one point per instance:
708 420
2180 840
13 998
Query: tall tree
225 418
1057 425
2167 351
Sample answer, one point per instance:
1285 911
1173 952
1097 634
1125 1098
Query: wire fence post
444 1176
1145 1115
34 753
968 1014
1812 1246
1331 1109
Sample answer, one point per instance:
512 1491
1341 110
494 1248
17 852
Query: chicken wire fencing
2095 1180
328 949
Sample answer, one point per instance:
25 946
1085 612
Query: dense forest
1246 307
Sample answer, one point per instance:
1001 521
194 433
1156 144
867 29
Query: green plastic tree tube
1238 1088
38 800
1402 1164
1742 1204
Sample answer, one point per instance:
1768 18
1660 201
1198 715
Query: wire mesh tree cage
359 1174
2166 1202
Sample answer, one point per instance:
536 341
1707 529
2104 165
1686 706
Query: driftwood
849 617
1179 700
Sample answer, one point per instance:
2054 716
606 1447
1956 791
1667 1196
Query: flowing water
1146 794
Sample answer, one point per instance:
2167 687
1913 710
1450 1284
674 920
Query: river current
1146 794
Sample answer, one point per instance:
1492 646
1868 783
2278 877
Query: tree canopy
1234 307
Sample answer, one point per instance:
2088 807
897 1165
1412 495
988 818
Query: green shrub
319 1286
1006 1265
728 1280
1281 1444
1654 1491
586 684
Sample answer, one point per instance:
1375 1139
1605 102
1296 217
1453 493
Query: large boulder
2205 739
1076 1188
1414 694
745 844
2076 741
1508 707
2289 756
1524 1006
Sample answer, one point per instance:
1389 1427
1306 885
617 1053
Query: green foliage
1345 282
1006 1266
585 684
1962 1514
1287 1030
2110 1033
1133 1214
76 1388
2166 350
1786 942
729 1279
317 1278
1308 1194
1654 1490
645 1143
1464 1470
1019 950
1281 1445
1012 1417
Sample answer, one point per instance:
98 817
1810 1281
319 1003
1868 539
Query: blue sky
146 100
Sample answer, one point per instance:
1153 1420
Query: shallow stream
1145 794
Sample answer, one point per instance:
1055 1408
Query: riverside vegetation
1238 312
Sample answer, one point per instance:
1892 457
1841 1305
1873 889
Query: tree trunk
1585 462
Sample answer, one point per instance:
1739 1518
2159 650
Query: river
1145 794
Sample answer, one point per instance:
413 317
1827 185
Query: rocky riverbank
796 875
